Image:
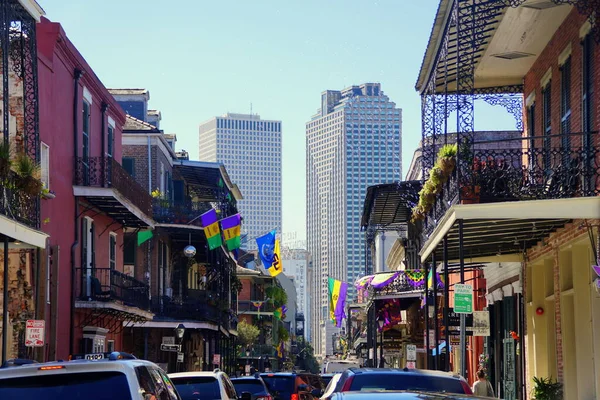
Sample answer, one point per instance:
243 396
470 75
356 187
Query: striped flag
337 300
211 229
231 231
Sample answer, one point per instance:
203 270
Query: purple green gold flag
231 231
211 229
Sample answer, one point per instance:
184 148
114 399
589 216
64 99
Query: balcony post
5 302
463 328
446 305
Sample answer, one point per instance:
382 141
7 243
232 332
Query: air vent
512 55
541 5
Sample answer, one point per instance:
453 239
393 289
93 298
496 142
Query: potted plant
5 159
29 175
447 158
47 194
545 389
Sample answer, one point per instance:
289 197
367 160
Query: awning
172 325
389 205
22 233
493 229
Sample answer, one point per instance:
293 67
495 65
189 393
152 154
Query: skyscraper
250 148
352 142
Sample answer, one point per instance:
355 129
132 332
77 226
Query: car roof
75 366
391 371
193 374
404 395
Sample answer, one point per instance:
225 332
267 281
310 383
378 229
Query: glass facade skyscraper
250 149
352 142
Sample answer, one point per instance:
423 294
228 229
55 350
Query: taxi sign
95 356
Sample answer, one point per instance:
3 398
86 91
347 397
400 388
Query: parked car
403 395
214 385
117 376
293 385
326 378
330 389
378 379
253 384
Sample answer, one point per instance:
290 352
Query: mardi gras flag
439 279
337 300
211 229
280 312
269 252
231 231
280 350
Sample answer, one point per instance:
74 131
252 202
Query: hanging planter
438 176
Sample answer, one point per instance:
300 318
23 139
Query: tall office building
352 142
250 149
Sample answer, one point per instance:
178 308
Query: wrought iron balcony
16 203
179 213
528 168
119 193
188 310
107 285
248 307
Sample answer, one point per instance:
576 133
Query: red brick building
96 201
534 226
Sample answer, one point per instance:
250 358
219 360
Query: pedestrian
482 387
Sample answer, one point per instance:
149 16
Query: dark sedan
254 385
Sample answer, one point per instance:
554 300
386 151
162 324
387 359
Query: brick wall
568 33
140 155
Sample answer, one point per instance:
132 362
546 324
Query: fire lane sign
35 333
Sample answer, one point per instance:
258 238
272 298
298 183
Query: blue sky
203 58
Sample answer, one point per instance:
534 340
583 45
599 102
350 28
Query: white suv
119 376
206 385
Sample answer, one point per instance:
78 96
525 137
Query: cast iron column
446 304
426 319
463 328
5 303
436 345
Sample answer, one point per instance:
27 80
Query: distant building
250 148
295 266
352 142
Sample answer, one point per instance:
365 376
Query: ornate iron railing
106 172
106 285
246 306
549 167
183 213
17 204
192 309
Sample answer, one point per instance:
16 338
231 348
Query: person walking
482 387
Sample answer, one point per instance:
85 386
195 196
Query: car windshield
253 386
281 387
365 382
197 388
89 386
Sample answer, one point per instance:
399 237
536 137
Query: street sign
411 352
170 347
35 332
216 359
411 365
454 340
463 299
179 357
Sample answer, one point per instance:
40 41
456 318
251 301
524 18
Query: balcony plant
5 159
28 173
438 176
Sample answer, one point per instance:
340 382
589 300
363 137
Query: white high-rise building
295 266
250 149
352 142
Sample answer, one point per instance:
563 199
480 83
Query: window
547 125
129 248
110 141
85 155
587 96
565 108
112 250
129 165
45 165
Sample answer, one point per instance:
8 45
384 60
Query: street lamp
247 361
381 322
179 332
